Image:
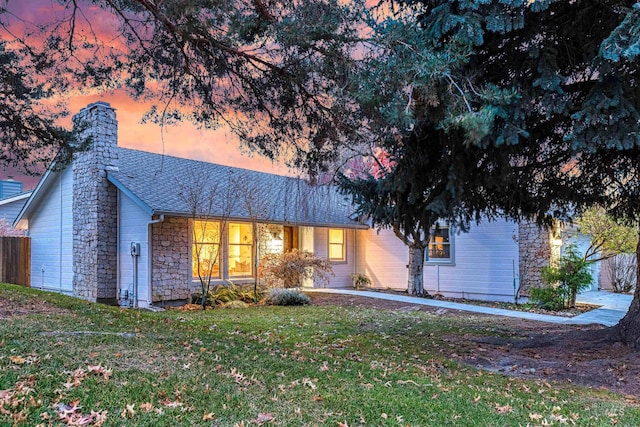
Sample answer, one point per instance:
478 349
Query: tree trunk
416 268
629 327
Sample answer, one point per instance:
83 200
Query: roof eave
120 186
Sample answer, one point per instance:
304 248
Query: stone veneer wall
534 246
171 262
95 206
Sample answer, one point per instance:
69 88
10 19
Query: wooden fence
15 260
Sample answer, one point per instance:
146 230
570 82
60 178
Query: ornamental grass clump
290 269
286 297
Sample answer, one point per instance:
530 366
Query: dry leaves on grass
70 415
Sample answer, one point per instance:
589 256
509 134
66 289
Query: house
131 227
12 199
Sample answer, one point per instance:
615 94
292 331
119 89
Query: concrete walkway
613 306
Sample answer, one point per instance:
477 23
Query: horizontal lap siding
382 257
133 227
484 264
10 211
342 270
50 229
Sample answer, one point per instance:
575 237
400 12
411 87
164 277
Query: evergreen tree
540 98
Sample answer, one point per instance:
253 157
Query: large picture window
205 251
336 245
440 248
240 248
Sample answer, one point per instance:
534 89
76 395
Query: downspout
150 259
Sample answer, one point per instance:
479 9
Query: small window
336 245
440 244
205 250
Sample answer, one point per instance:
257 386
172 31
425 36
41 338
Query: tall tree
29 135
546 90
270 70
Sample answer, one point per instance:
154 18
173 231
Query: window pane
336 236
205 258
240 234
335 251
439 243
240 260
206 231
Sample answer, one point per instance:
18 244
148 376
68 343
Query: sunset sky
185 140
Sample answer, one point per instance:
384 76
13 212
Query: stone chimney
95 205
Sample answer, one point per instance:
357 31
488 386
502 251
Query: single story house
137 228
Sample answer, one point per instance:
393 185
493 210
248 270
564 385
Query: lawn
68 362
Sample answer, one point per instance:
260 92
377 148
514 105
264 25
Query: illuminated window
240 249
440 244
336 245
205 252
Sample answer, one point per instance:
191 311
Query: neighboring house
11 206
115 226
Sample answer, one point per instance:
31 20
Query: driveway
613 307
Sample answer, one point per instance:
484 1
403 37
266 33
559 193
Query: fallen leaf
208 417
535 417
263 418
503 409
128 412
146 407
17 360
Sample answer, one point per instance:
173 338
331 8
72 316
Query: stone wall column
171 262
534 245
95 205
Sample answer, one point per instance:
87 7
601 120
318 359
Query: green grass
304 366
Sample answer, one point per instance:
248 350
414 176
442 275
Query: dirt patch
10 308
583 355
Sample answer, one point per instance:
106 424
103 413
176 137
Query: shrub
224 294
286 297
289 269
235 304
360 281
549 298
570 277
622 272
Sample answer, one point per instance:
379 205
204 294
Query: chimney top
97 104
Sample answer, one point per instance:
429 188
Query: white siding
341 270
133 227
482 268
51 232
382 257
9 211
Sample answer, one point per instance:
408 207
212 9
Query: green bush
360 281
225 294
570 277
549 298
286 297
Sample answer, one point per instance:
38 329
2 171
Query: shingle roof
182 187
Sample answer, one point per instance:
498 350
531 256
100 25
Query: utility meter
135 249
